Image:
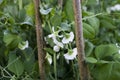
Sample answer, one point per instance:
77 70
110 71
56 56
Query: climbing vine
19 59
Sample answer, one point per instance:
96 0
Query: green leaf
21 15
30 9
49 50
55 20
69 10
90 60
65 26
91 2
87 14
15 65
103 51
88 48
107 24
27 21
104 62
11 40
110 71
29 60
95 23
88 31
8 38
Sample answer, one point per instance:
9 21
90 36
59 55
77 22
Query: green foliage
95 23
15 65
108 71
90 60
101 31
88 31
103 51
69 10
11 40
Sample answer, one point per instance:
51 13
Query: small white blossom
68 39
84 8
53 36
49 58
114 8
23 45
58 43
71 54
56 48
118 51
58 56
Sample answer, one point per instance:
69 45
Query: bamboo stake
60 3
40 45
83 69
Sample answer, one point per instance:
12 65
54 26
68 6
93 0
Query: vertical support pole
60 3
40 45
83 69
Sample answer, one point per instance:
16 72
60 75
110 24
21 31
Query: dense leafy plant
18 59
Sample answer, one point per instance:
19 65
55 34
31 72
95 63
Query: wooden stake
40 45
84 73
60 3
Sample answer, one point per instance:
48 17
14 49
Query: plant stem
49 26
40 45
55 69
83 69
73 69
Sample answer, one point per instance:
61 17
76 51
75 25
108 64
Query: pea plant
20 36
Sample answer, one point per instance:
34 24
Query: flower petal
65 40
49 58
56 48
68 56
71 36
70 39
75 51
57 42
51 36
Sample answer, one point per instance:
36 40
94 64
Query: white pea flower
71 54
53 36
58 56
56 48
84 8
69 38
97 1
114 8
49 58
23 45
118 51
58 43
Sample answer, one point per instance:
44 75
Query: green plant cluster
18 48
